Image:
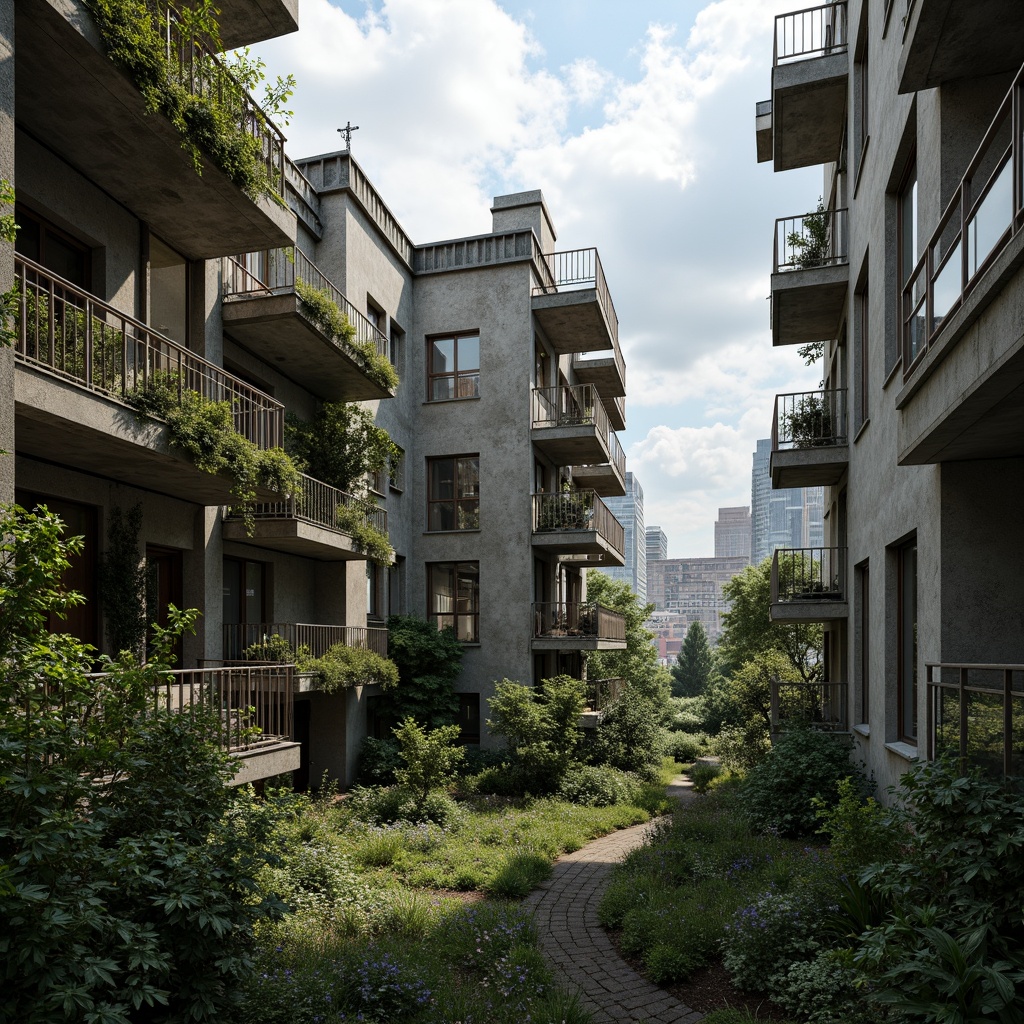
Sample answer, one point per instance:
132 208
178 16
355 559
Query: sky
636 120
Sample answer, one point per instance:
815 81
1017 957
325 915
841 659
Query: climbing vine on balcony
9 299
217 124
351 519
338 668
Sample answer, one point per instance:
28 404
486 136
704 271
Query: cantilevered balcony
317 522
975 713
608 375
819 706
575 626
570 425
810 276
948 39
573 305
810 446
577 523
79 362
74 98
244 22
808 585
607 479
265 310
264 641
763 130
809 82
963 350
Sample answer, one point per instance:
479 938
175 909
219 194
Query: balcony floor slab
809 467
573 321
794 612
576 643
295 537
808 103
807 304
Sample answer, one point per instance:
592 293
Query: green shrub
378 760
860 830
803 764
341 667
703 774
684 747
593 786
431 760
741 748
386 805
628 736
823 990
429 661
518 873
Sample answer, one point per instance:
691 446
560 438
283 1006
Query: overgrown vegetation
338 668
126 583
353 520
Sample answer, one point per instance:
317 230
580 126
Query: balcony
763 130
253 637
607 479
577 523
73 96
608 375
570 425
78 361
574 626
264 311
975 713
963 352
244 22
573 306
810 276
600 693
944 40
311 523
810 445
820 706
809 80
808 585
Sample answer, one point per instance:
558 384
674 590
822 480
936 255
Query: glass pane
442 516
467 629
442 388
469 478
990 220
442 356
908 229
469 354
253 592
946 287
469 386
908 640
469 515
916 335
442 588
442 479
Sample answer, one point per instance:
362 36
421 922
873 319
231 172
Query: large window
454 598
862 406
907 641
912 300
56 250
863 625
453 493
453 367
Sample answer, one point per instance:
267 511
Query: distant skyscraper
629 510
791 518
732 532
657 544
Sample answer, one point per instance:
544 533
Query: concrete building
789 517
129 263
733 532
629 510
657 544
910 273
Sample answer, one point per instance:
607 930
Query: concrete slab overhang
822 466
244 22
63 422
616 409
576 643
949 39
276 330
73 97
573 321
295 537
605 479
822 610
965 398
763 131
807 304
606 375
578 542
808 110
265 762
581 444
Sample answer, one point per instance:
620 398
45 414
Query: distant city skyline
629 510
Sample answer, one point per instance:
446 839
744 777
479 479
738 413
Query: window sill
892 374
445 401
860 164
437 533
904 750
862 730
861 429
470 643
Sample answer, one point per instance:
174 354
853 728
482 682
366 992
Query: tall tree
692 670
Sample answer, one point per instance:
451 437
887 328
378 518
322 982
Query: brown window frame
458 377
48 228
457 504
460 618
908 185
906 604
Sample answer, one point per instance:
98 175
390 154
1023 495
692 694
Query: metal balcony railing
576 405
64 329
986 211
808 575
976 713
577 619
822 706
812 32
563 511
193 65
276 272
602 692
811 240
319 503
256 641
616 454
810 419
575 270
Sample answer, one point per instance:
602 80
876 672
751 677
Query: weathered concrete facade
922 417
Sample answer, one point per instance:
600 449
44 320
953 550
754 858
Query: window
863 627
375 314
54 249
860 105
374 603
396 586
861 360
244 605
453 493
453 367
912 291
469 717
395 344
454 598
906 616
396 477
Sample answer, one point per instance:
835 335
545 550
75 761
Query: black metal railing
986 211
822 706
556 619
577 269
67 331
808 574
575 405
565 511
976 713
811 240
810 419
812 32
269 641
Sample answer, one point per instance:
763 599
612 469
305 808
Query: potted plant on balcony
812 245
811 422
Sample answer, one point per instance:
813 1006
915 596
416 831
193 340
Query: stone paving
582 955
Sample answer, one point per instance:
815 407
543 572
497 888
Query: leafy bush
386 805
353 520
860 830
628 736
378 760
803 764
684 747
429 661
823 990
596 786
431 759
703 774
342 666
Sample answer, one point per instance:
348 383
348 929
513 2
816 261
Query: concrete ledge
807 304
265 762
809 611
822 466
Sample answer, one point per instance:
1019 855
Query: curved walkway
582 955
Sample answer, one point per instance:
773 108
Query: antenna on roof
346 134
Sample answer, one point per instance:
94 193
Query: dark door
300 777
167 587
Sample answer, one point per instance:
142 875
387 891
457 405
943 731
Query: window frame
459 572
908 187
906 604
456 375
457 500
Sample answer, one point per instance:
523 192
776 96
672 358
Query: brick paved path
582 955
